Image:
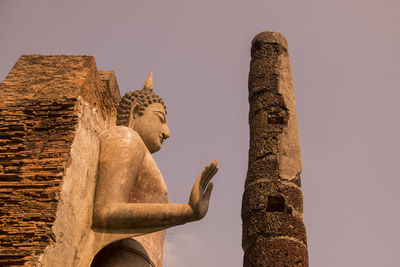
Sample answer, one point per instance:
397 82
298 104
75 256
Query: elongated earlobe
133 115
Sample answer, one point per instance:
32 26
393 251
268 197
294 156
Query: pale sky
345 59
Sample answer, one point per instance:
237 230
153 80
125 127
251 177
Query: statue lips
161 139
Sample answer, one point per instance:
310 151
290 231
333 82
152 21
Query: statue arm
163 215
145 215
122 152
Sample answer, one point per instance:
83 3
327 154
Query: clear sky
345 59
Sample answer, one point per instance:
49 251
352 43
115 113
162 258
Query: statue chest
149 185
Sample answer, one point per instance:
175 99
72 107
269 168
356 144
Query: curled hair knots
143 98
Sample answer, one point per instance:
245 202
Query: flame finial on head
143 98
148 84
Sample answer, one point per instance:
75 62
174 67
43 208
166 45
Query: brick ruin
42 104
272 207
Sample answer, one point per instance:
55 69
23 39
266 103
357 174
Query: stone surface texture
52 109
272 207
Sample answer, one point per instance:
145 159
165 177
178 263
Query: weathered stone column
272 208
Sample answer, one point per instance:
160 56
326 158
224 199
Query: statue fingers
215 162
208 172
210 176
213 165
205 174
200 180
207 194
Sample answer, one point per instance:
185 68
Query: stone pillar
52 109
272 208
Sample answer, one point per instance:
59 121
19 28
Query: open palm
201 191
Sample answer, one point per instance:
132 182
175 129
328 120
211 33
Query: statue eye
160 116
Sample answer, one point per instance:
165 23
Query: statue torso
147 185
150 187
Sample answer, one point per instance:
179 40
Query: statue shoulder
121 136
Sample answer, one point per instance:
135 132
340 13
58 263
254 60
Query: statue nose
165 133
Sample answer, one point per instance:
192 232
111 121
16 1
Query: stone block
279 252
267 123
263 146
264 101
264 168
272 224
256 196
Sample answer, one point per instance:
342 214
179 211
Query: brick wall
39 113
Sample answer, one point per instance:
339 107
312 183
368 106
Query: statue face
152 126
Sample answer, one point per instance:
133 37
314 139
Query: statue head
144 111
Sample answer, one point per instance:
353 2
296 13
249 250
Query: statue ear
133 114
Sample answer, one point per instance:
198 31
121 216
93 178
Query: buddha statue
131 195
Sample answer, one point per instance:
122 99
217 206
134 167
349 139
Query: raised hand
201 191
